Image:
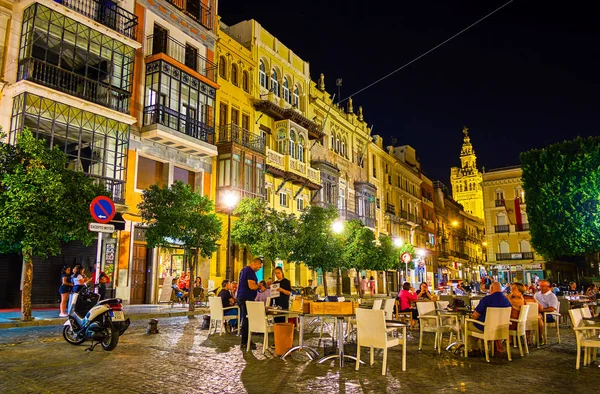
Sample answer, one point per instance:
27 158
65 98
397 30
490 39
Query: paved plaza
182 359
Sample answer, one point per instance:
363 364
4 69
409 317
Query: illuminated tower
466 180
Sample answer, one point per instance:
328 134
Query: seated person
406 296
178 291
496 299
309 290
228 301
546 298
423 292
459 290
516 300
263 292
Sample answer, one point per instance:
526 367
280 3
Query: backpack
456 304
205 322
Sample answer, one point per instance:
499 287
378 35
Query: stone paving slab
184 359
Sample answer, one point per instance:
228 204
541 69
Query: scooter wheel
111 340
70 336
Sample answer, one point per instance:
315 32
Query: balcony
499 203
293 169
502 228
514 256
522 227
195 10
180 131
74 84
345 214
367 221
403 214
390 208
107 13
116 187
184 54
412 218
234 133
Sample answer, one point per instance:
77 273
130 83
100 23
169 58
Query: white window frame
296 100
283 200
274 82
286 90
262 75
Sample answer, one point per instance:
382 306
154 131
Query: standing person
536 278
65 288
285 290
363 285
357 285
78 277
372 285
247 290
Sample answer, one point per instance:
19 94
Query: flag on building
513 211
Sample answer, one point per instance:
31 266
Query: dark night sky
523 78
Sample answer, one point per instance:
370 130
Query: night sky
524 78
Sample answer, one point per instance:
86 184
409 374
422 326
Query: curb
140 316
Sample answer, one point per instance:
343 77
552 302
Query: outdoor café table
340 339
403 326
310 352
462 314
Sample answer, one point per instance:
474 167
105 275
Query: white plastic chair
377 304
388 307
497 322
258 322
428 322
217 314
441 305
586 338
371 332
532 324
547 324
520 331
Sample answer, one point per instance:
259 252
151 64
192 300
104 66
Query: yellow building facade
510 254
466 180
280 83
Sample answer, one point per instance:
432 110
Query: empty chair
441 305
388 307
428 322
258 322
371 332
377 304
497 322
563 309
585 336
519 332
217 316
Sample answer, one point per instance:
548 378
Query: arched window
293 144
301 149
245 81
337 143
459 188
262 75
281 142
344 147
504 247
286 91
234 74
332 140
501 219
524 246
274 83
296 102
222 67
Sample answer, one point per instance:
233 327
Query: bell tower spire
466 180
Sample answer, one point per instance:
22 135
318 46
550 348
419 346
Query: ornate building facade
466 180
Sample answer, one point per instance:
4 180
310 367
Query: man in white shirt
547 299
263 293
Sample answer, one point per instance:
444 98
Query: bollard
152 327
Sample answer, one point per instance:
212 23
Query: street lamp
455 223
398 242
337 226
230 200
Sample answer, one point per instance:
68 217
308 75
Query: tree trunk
324 282
26 281
338 283
359 283
193 265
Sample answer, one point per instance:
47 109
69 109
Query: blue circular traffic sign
102 209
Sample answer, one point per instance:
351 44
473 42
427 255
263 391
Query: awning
118 222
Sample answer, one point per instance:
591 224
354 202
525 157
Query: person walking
247 289
65 288
372 285
364 284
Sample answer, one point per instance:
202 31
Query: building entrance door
138 274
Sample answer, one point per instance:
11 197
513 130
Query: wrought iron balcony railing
390 208
106 12
195 10
159 114
48 74
234 133
500 203
502 228
514 256
522 227
184 54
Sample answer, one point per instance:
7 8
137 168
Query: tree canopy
359 249
176 213
265 231
562 189
42 204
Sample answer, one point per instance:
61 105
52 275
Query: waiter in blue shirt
248 287
496 299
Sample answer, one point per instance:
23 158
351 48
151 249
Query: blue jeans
231 312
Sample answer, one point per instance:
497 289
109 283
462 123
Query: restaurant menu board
275 290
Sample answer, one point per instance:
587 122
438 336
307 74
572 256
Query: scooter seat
111 301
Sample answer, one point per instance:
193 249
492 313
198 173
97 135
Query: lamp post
338 227
230 200
398 243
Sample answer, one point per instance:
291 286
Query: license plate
117 315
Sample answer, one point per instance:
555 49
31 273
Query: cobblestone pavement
182 359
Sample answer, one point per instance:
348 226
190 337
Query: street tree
315 245
562 185
264 231
388 254
360 250
42 205
178 213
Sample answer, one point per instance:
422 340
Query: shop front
523 273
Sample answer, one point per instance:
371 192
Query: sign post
406 258
103 211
